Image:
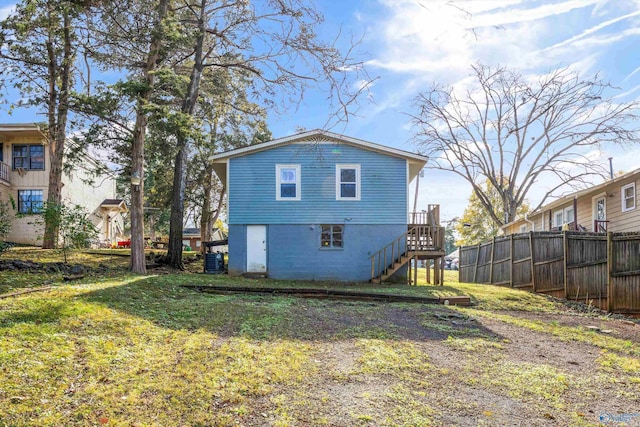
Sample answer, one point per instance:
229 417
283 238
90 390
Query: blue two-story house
315 205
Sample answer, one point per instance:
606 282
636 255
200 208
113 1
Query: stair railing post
384 268
373 262
393 258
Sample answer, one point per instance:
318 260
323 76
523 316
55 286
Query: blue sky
409 44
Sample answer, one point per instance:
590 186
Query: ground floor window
29 201
331 236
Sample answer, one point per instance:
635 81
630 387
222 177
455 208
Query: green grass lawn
117 349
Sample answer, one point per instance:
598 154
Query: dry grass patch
66 361
143 351
567 333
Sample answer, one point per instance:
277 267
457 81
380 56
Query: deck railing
426 238
429 217
600 226
418 238
4 172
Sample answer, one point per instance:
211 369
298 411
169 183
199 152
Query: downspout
533 224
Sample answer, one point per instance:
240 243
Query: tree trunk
57 127
174 252
219 208
152 228
206 214
138 264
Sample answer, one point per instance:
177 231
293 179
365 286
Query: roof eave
300 137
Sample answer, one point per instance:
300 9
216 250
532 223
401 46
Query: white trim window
569 215
558 218
563 216
288 182
628 193
523 228
347 182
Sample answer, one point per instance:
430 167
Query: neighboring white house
24 181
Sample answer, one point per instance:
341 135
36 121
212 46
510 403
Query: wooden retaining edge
333 294
25 291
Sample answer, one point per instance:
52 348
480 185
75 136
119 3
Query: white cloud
509 16
439 40
591 30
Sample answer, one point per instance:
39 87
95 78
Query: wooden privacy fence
596 268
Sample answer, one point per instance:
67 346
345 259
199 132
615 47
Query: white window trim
565 217
298 187
555 223
622 189
339 167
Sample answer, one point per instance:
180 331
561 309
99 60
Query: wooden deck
424 240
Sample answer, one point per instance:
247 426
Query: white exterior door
256 248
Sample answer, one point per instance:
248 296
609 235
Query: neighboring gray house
315 205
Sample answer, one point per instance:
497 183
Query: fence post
493 250
610 264
533 264
511 260
475 271
566 263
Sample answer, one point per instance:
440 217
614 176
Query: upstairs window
347 182
331 236
628 197
29 157
29 201
287 182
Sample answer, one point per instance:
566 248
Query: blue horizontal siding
237 263
252 187
294 252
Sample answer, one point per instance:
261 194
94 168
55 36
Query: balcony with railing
431 216
4 173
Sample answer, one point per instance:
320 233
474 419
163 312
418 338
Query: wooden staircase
419 242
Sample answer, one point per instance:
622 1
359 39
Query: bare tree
520 130
275 44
